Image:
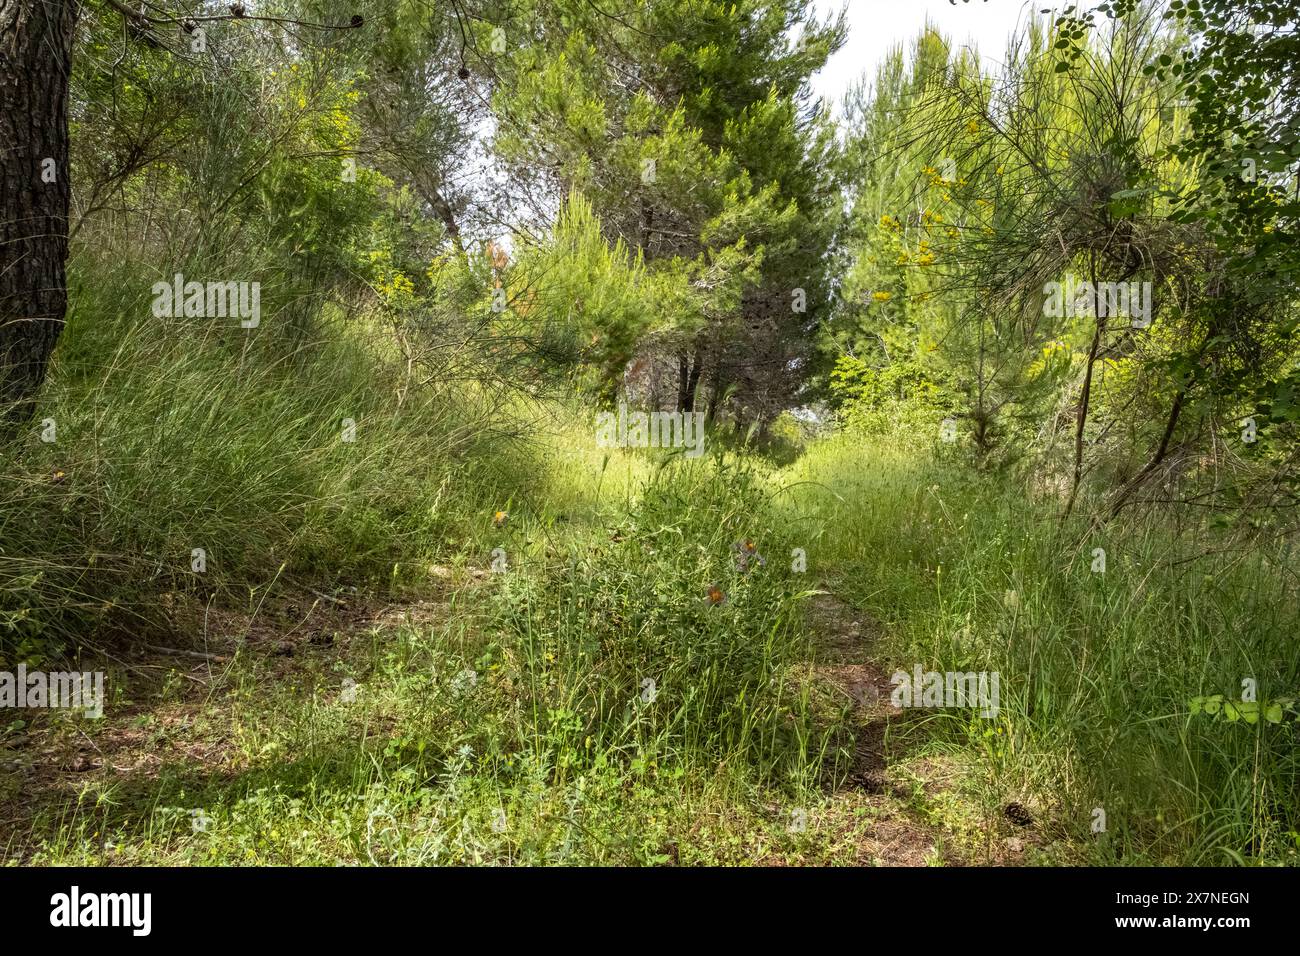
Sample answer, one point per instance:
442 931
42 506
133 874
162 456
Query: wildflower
747 551
500 518
716 595
882 296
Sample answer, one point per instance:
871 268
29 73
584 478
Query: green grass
421 767
178 435
1097 669
524 697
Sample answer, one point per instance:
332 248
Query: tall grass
662 640
1098 669
172 435
635 640
520 725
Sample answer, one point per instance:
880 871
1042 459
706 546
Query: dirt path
896 793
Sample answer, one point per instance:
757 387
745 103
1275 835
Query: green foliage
900 398
464 246
707 168
172 437
675 643
1096 669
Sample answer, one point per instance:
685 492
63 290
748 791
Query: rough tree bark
35 65
689 367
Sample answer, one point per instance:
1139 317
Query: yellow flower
882 296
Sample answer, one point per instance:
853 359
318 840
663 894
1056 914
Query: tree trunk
715 392
35 65
693 383
427 186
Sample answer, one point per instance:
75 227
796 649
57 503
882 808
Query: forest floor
194 763
432 723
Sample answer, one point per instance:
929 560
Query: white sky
875 26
